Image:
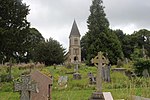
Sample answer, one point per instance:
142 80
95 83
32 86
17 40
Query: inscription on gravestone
25 86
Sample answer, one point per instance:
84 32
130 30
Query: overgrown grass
120 86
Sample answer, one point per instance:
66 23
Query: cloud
54 18
128 12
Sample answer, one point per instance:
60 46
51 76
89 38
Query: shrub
141 64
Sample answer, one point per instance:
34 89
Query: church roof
74 30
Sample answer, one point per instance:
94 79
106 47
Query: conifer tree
99 37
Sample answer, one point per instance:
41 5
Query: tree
140 65
99 37
33 38
49 52
127 43
141 39
13 27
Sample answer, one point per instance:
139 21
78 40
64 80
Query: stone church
74 53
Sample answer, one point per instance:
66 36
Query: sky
54 18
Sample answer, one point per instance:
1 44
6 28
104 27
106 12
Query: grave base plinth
97 96
76 76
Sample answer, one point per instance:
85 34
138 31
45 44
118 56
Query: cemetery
65 87
102 64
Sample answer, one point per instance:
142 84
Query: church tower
74 44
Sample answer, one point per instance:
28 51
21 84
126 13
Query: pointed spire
74 30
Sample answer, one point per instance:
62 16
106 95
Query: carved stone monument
25 86
99 61
44 83
76 75
92 79
106 73
145 73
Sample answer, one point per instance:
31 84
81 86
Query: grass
9 95
120 86
71 94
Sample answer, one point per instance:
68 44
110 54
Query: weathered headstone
107 96
126 61
9 70
145 73
130 74
62 81
92 78
54 66
76 75
44 86
107 73
76 67
26 87
99 61
121 70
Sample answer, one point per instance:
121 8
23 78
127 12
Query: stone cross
25 86
99 61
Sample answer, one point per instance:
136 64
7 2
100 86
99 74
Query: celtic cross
99 61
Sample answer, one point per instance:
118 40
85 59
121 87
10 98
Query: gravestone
44 86
76 75
130 74
106 75
145 73
9 70
62 81
92 78
126 61
99 61
26 87
54 66
76 68
121 70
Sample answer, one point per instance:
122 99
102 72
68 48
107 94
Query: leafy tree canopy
13 27
49 52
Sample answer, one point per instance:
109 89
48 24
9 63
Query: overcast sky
54 18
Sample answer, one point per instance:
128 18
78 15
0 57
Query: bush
140 65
